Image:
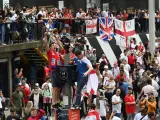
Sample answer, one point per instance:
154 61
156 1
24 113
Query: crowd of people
19 25
129 90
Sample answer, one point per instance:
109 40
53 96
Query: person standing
54 59
142 115
93 114
117 103
17 100
130 104
37 99
109 87
47 99
131 60
13 115
2 106
85 71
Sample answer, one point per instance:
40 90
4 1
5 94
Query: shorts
53 78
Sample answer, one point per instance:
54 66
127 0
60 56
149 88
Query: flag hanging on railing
91 26
124 29
106 29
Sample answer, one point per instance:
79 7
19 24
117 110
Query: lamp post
151 4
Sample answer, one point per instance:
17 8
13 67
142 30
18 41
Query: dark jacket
40 100
11 118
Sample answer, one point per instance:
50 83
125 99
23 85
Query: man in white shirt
42 12
103 59
48 82
124 56
148 89
15 16
109 87
142 115
126 67
115 70
154 82
117 103
23 82
107 13
106 71
102 111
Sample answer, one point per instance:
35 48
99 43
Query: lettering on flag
119 25
120 40
91 26
130 26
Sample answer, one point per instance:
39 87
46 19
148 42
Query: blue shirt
82 66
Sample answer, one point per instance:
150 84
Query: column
152 26
67 97
10 76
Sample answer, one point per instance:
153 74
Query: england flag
91 26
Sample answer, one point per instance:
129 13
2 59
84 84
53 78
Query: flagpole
151 26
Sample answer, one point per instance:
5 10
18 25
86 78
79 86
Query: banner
91 26
106 29
123 30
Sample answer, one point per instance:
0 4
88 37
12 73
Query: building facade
75 4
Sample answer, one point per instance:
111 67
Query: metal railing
21 31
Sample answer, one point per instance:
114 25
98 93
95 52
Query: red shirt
46 73
26 93
131 59
130 108
119 77
53 59
141 48
37 117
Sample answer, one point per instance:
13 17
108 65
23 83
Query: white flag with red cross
125 29
91 26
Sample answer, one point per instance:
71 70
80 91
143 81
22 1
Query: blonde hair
29 106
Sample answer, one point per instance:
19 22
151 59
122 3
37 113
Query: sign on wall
105 5
5 3
60 4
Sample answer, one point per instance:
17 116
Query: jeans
80 84
118 115
130 116
53 78
2 29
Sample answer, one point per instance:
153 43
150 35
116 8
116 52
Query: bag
47 100
143 117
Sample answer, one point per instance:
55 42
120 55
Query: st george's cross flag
124 29
106 29
91 26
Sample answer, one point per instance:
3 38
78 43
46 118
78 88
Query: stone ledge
19 46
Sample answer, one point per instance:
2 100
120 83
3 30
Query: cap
94 49
130 87
37 84
105 66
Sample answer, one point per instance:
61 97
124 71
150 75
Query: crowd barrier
13 32
18 32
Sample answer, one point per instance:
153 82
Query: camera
66 43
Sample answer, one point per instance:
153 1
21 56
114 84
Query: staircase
36 57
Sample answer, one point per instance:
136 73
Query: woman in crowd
47 99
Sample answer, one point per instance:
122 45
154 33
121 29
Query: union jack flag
106 29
